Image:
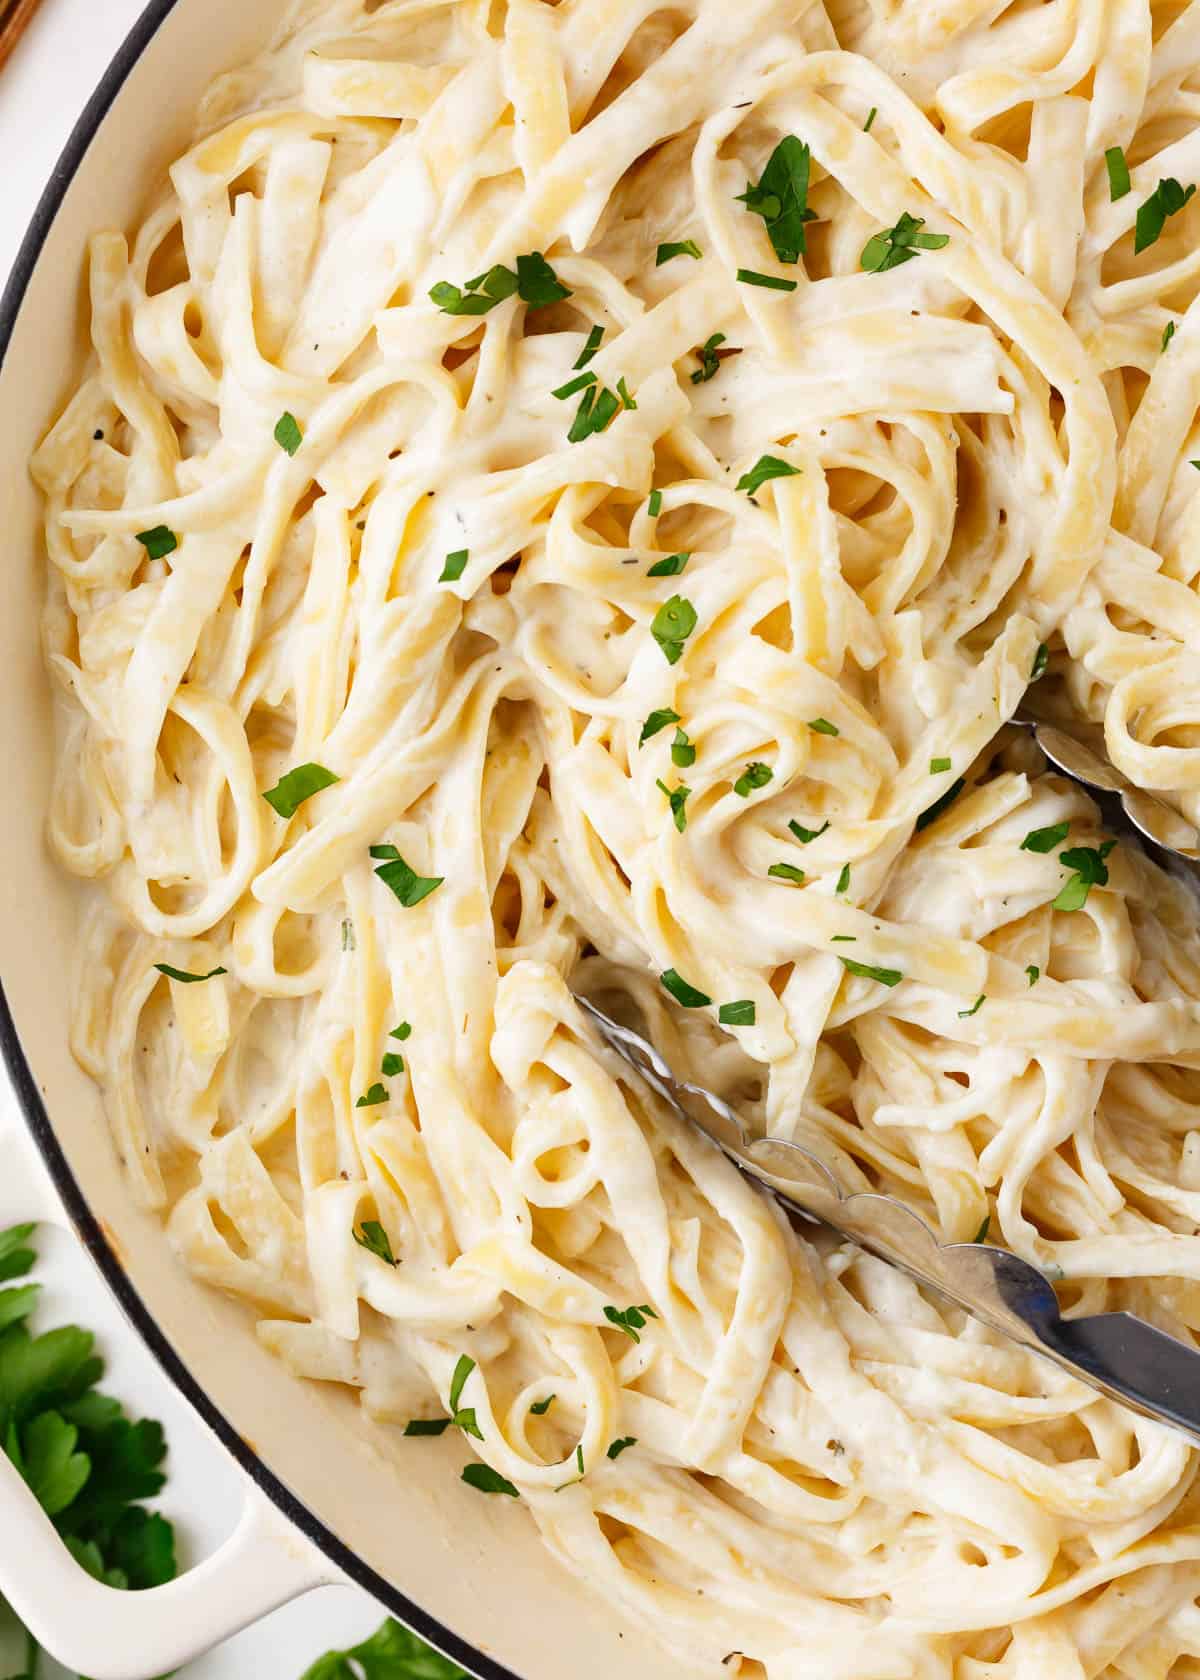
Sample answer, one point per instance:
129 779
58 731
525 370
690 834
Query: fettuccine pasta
572 496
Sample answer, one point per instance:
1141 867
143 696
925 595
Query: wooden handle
13 17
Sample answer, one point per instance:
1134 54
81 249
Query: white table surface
43 88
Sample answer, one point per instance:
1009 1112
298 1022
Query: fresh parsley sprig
899 244
780 197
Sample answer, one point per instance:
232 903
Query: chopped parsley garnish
1090 870
871 115
456 565
579 383
822 726
938 765
1167 199
462 1371
288 435
655 503
764 469
630 1319
159 542
392 1064
372 1236
1118 173
981 1235
843 880
769 282
541 1407
965 1014
403 1031
804 835
932 812
740 1013
1168 335
1040 661
843 939
186 979
670 567
683 753
391 1653
618 1447
787 872
478 296
688 996
427 1426
579 1457
755 775
486 1480
373 1097
677 799
1033 973
677 248
535 283
594 339
671 626
623 392
290 791
710 362
597 408
781 198
885 976
1045 839
899 244
658 720
409 887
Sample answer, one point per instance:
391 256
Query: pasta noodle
608 474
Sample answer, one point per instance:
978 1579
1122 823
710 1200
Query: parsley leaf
740 1013
677 799
682 992
769 282
781 198
159 542
981 1235
479 295
590 348
462 1371
1167 199
596 410
288 435
843 880
16 1259
1168 334
1040 661
290 791
427 1426
373 1097
456 565
372 1236
657 720
754 776
965 1014
822 726
670 567
677 248
938 765
486 1480
710 362
885 976
1034 974
899 244
391 1065
764 469
804 835
671 626
932 812
871 115
186 979
787 872
391 1653
1045 839
655 503
409 887
537 283
403 1031
573 386
630 1320
541 1407
1090 870
1118 173
683 753
618 1447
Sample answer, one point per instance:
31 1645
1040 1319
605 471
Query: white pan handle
98 1630
111 1635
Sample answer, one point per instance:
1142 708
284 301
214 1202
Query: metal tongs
1117 1353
